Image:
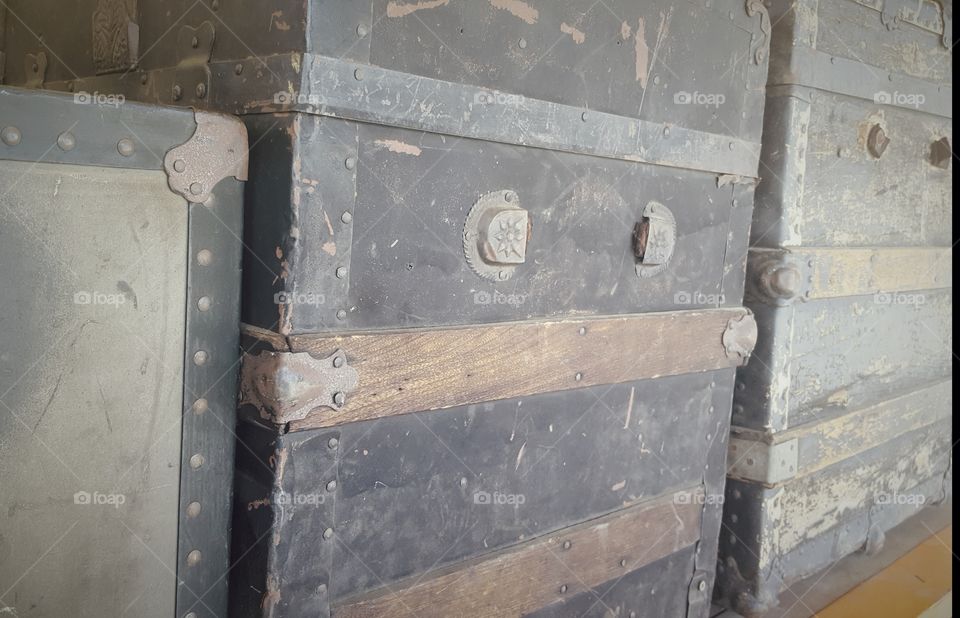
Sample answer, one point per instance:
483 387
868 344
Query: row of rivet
66 141
347 217
332 444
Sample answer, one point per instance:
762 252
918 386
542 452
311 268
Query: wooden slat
530 576
855 271
428 369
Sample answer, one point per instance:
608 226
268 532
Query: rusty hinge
287 386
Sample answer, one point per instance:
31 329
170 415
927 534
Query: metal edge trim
211 364
815 69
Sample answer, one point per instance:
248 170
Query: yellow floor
917 584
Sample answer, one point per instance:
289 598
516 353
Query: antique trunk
842 418
492 288
119 237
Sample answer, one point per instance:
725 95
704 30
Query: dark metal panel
571 457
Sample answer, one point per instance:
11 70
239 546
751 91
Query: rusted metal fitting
781 281
877 141
217 150
654 239
495 235
740 337
941 153
287 386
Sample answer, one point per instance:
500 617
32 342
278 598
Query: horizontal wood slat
856 271
427 369
546 569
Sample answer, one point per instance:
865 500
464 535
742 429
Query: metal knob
782 282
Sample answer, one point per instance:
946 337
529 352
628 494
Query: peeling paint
276 20
329 247
625 31
642 52
399 147
619 486
518 8
397 9
577 35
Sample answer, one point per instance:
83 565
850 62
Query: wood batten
429 369
856 271
546 569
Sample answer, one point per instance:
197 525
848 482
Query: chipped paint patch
625 31
399 147
619 486
642 52
577 35
330 248
518 8
398 9
276 20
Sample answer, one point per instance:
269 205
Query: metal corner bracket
740 337
217 150
761 462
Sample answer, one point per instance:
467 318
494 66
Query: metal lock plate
495 235
654 239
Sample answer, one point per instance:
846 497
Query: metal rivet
346 217
567 544
563 589
339 398
583 116
656 80
463 481
710 409
126 147
193 509
522 43
583 330
333 443
833 60
66 141
350 163
328 533
201 90
196 461
204 257
731 146
338 362
358 74
200 358
342 314
177 92
331 485
623 562
736 494
578 376
215 4
734 518
666 131
362 30
341 272
200 406
11 136
508 196
633 614
238 69
36 67
193 558
503 274
196 188
195 43
203 304
702 586
179 165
